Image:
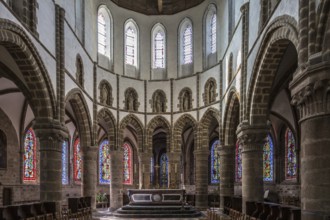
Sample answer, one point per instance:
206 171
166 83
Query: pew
265 211
11 213
24 211
1 213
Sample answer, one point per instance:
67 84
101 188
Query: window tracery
30 157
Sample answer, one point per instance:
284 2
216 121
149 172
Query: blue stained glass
291 155
104 163
152 170
65 173
215 163
239 170
163 170
268 159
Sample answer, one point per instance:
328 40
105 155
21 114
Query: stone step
130 207
142 211
155 211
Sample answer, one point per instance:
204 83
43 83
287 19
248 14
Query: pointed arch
180 125
82 113
106 119
158 122
231 118
135 123
210 117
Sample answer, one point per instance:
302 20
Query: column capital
252 137
201 152
47 128
310 90
225 150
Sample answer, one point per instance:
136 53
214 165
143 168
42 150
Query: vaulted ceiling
156 7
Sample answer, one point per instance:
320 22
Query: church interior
220 107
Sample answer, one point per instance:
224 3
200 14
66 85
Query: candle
135 168
143 168
175 168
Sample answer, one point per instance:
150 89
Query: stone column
201 181
89 178
175 170
116 183
145 171
311 96
252 139
227 172
50 135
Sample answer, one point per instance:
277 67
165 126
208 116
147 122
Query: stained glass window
77 161
30 157
163 170
291 155
239 170
102 34
268 159
130 46
104 162
65 163
213 34
159 56
152 170
187 45
215 163
127 160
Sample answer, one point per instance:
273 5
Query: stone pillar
175 170
227 172
311 96
145 171
202 174
50 135
116 183
252 139
89 178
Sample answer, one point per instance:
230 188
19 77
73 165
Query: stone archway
279 35
105 116
227 149
185 122
252 133
158 140
78 104
34 77
210 117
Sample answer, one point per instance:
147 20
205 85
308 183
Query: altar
157 203
156 196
